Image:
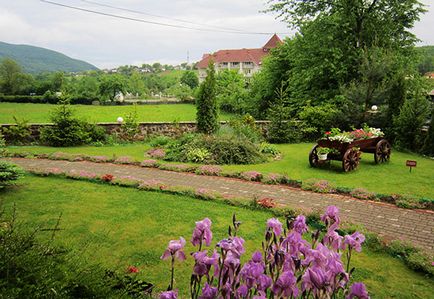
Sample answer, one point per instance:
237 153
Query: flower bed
288 266
315 185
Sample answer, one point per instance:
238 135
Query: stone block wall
146 128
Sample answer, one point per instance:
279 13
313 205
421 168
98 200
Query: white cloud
108 42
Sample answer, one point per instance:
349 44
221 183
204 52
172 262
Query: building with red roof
245 61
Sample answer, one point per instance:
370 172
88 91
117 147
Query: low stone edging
146 129
314 185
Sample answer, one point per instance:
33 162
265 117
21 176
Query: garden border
314 185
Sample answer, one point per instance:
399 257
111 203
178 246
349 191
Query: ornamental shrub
9 173
19 133
66 129
225 149
207 111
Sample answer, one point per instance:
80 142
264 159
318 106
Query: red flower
107 178
328 133
132 269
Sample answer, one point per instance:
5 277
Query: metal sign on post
411 164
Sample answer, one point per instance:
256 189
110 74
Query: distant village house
245 61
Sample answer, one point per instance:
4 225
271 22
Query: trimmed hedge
44 99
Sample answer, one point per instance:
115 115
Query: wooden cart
349 153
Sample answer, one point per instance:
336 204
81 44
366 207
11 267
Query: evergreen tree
207 111
428 146
408 124
280 114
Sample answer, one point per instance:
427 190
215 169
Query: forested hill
36 60
426 62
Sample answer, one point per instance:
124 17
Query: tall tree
207 111
12 77
111 85
190 78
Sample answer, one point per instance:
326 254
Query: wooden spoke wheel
313 156
382 151
351 159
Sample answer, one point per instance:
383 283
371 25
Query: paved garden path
388 221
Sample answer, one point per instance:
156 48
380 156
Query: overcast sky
109 42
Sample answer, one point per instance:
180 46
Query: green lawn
39 113
118 227
390 178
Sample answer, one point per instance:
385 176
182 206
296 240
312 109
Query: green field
40 113
390 178
117 227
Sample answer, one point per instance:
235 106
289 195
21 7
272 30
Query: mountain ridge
35 59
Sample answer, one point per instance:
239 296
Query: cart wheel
313 156
351 159
382 151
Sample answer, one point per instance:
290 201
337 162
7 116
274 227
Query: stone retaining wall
146 128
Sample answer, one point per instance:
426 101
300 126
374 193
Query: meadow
391 178
118 227
40 113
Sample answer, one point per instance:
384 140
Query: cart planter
349 154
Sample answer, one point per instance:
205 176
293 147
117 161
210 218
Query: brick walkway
387 220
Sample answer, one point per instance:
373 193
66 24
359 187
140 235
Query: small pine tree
279 115
428 146
207 111
409 122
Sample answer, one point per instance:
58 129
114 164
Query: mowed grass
391 178
40 113
117 227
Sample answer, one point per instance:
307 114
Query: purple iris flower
208 292
264 282
354 241
285 285
234 245
275 225
175 248
204 262
331 217
202 232
300 224
252 270
314 279
333 239
294 244
358 290
242 291
169 295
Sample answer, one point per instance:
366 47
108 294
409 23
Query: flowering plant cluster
254 176
361 193
288 266
123 160
156 153
320 186
209 170
99 159
107 178
149 163
81 174
152 185
266 202
366 132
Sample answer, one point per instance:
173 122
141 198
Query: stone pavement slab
387 220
